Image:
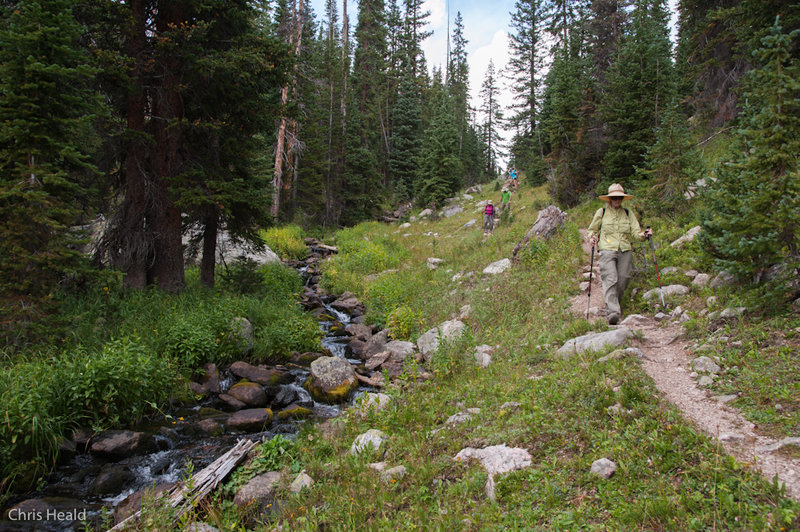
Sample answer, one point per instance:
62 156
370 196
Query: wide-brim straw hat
615 191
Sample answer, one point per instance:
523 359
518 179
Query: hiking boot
613 319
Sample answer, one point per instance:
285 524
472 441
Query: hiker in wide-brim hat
612 230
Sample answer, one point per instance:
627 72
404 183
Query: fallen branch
183 498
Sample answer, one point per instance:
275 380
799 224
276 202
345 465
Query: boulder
594 342
209 427
496 460
433 263
208 383
242 329
462 417
470 223
250 393
425 213
705 364
331 379
250 420
721 279
301 482
360 331
259 492
701 279
294 411
399 349
452 211
668 291
393 474
358 348
448 331
372 439
111 480
375 361
348 303
258 374
119 444
376 344
374 401
497 267
603 468
688 237
230 403
133 502
483 355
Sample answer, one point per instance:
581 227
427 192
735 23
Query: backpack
489 210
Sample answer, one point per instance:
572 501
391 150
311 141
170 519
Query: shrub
387 293
403 322
286 241
281 330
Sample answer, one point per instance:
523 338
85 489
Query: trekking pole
591 270
658 276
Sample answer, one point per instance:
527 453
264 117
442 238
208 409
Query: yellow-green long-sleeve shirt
617 230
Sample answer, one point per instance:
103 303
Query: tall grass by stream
116 356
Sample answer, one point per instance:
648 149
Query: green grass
669 476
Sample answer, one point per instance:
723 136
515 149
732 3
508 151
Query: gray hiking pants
488 223
615 273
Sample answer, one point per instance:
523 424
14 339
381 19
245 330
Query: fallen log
186 495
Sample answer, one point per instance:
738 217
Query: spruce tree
492 119
406 138
526 73
46 109
641 84
750 224
440 167
671 165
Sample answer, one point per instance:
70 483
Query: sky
486 28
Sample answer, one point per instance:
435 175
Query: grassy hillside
669 477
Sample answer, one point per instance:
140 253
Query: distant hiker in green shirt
612 230
505 200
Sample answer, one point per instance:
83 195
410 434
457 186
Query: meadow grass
669 477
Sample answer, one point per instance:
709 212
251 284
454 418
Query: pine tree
492 119
526 71
641 84
440 167
406 138
750 223
46 110
671 165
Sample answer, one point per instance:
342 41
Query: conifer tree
46 109
492 119
750 223
440 167
406 138
526 71
671 165
641 84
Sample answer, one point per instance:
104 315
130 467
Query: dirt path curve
666 359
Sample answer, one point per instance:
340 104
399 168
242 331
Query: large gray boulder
249 393
448 331
594 342
452 211
331 379
399 349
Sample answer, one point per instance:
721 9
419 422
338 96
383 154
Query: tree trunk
166 270
132 249
277 180
209 260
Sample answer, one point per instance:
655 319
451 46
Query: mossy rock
294 412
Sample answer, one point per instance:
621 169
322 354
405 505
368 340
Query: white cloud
438 9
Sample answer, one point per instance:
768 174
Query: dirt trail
666 359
